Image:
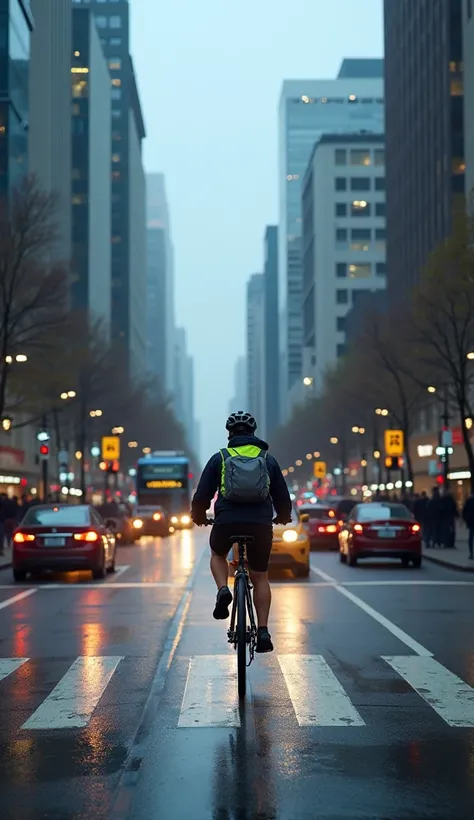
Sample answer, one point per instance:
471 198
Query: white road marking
72 702
316 694
210 696
119 570
377 616
9 665
121 585
17 598
447 694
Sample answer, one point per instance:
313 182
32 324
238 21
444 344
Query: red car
322 526
380 530
62 537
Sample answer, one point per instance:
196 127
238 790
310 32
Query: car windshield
316 512
378 512
57 516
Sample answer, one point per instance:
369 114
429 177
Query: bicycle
244 635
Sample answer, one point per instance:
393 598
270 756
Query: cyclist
242 518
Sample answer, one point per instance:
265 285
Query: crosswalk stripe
71 703
316 694
447 694
9 665
210 696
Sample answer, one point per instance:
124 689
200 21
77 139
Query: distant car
380 530
290 548
63 537
181 522
150 520
322 526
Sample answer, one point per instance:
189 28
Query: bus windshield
164 482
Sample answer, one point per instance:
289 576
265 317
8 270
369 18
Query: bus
163 483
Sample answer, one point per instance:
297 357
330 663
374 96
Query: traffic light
391 463
44 452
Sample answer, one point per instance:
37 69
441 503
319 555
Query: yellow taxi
291 546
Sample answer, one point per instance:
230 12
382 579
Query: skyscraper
128 235
160 291
16 25
424 132
184 385
256 349
272 359
91 185
50 110
309 109
468 51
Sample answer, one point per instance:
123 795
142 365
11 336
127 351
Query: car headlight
156 516
185 519
138 523
174 520
290 536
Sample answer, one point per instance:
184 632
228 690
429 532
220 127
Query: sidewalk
455 558
5 557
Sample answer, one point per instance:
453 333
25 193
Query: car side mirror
304 518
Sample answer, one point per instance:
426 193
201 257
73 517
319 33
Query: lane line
210 694
9 665
119 570
71 703
447 694
16 598
402 636
124 585
316 694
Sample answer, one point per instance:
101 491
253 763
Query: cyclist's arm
279 491
206 490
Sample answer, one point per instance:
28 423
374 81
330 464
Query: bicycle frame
241 576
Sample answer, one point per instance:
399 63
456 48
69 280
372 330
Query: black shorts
258 553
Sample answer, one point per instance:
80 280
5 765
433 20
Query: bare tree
33 289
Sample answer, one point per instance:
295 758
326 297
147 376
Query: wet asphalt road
117 698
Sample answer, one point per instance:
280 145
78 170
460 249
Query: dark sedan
380 530
62 537
321 527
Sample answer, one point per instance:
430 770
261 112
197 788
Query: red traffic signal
44 451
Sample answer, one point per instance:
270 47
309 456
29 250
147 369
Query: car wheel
352 560
416 562
99 573
302 571
342 557
405 563
19 575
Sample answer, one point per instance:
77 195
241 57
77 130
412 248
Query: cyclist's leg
262 596
258 554
219 543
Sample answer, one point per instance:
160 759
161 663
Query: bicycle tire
241 637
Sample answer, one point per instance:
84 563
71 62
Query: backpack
245 478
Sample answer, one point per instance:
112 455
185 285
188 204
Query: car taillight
86 536
331 528
415 528
358 528
21 537
321 529
332 514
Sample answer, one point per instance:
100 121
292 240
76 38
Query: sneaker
264 640
223 599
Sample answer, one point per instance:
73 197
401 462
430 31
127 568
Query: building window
115 63
115 157
341 234
379 156
360 271
360 246
341 350
341 270
115 21
458 166
380 183
342 297
116 82
115 41
381 269
360 184
380 209
116 114
100 21
469 9
340 156
361 233
341 183
116 93
341 324
360 156
79 88
341 209
360 207
380 234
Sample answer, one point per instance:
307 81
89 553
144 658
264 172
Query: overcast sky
210 73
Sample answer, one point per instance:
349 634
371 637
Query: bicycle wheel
241 637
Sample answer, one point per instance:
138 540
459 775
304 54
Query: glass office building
16 25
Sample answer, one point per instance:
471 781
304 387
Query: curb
445 563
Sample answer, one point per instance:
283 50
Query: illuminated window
360 156
340 156
352 98
115 157
360 246
115 63
456 87
116 82
79 88
360 207
359 271
379 156
458 166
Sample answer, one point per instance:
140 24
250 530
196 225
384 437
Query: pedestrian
420 511
449 514
434 520
468 517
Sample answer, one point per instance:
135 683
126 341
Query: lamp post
444 440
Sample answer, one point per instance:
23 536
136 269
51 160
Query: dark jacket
227 512
468 512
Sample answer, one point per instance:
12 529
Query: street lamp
431 389
308 381
468 423
117 431
147 450
69 394
334 440
78 455
309 456
316 454
7 423
470 355
133 444
95 414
